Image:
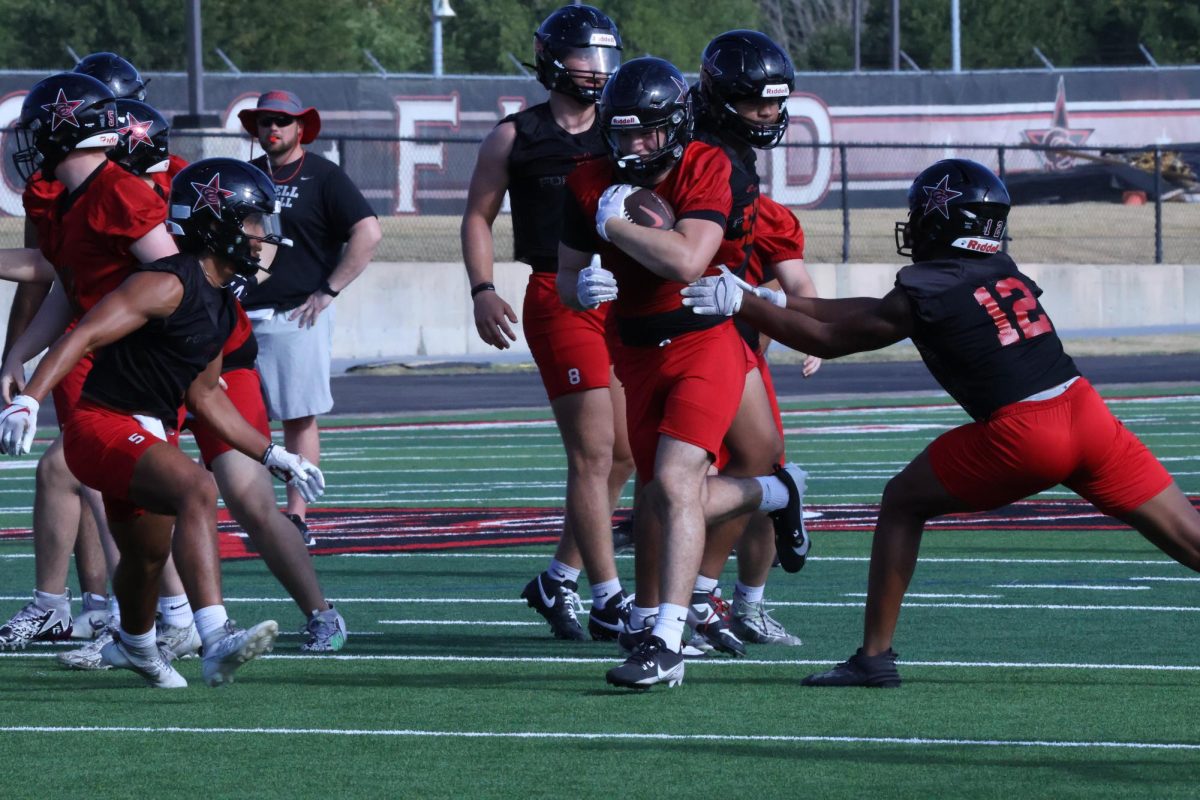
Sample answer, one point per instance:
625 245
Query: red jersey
89 234
697 188
38 199
777 237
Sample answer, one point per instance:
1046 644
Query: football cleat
181 641
155 669
558 602
235 648
88 657
36 624
791 537
622 534
302 527
860 670
709 617
325 632
629 641
651 663
93 619
752 622
606 622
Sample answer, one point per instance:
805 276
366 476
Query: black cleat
791 538
622 534
651 663
558 602
709 618
302 527
860 670
607 622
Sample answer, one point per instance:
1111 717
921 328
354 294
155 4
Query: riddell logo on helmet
977 245
603 40
628 119
775 90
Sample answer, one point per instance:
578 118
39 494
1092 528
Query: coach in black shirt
334 234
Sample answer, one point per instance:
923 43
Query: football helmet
956 203
745 65
116 73
143 138
646 94
62 113
574 44
212 204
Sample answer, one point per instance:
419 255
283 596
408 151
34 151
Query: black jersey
148 371
542 156
982 332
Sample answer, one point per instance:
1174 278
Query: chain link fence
1083 205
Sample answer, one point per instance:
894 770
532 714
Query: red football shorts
244 390
1025 448
68 391
102 447
758 361
568 346
689 390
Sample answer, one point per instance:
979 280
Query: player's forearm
793 328
828 310
668 254
49 322
359 250
26 302
58 362
478 248
25 265
213 407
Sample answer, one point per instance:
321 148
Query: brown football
647 208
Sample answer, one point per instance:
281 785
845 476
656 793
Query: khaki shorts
293 363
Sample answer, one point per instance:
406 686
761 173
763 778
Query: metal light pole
955 38
441 10
856 24
895 35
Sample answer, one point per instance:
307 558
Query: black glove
240 284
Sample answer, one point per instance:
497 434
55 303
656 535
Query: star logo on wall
62 111
937 197
210 195
1059 135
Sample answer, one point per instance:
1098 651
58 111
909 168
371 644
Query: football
647 208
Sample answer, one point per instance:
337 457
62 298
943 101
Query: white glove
18 424
595 285
296 471
612 206
775 297
716 295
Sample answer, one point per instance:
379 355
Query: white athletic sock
602 591
94 602
50 602
142 644
669 626
748 594
640 617
114 609
774 493
176 610
562 572
705 585
210 622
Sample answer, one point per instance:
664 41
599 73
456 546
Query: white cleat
235 648
157 669
181 641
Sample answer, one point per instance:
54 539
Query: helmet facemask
671 136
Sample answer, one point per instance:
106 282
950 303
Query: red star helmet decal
1060 134
209 195
936 197
62 111
137 131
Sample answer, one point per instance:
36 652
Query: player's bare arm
25 265
570 263
212 406
141 297
681 254
489 182
47 325
869 324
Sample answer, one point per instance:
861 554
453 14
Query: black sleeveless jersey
148 371
542 156
982 332
739 227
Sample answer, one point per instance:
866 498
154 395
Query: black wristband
482 287
327 289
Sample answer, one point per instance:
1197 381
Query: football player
529 154
982 331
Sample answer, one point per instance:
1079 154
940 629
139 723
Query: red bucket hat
279 101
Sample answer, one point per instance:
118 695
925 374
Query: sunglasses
279 121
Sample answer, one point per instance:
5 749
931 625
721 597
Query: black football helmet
646 94
143 138
745 65
956 203
62 113
210 204
581 35
116 73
